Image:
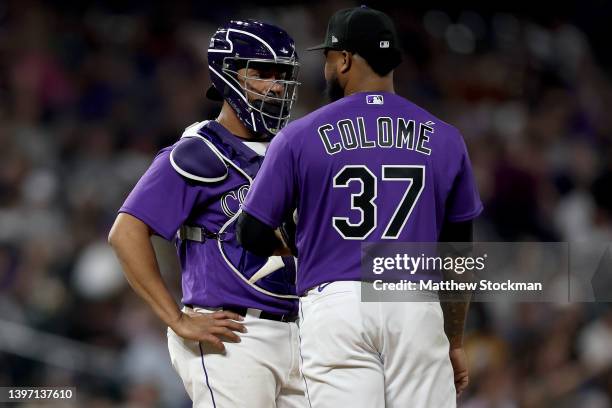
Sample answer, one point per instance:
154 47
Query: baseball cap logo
384 44
374 99
334 39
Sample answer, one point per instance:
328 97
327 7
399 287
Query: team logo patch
334 39
384 44
233 200
374 99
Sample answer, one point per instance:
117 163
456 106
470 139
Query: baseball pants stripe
212 396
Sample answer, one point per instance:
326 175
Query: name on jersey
350 134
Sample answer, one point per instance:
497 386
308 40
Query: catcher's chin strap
198 234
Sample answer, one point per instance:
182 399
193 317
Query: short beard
333 90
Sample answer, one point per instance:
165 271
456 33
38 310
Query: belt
262 314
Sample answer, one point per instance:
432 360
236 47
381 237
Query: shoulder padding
196 158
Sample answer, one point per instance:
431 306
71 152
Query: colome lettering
398 133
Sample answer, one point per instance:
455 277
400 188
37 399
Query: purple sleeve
463 202
272 194
162 199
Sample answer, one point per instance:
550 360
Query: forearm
455 305
282 248
455 313
130 239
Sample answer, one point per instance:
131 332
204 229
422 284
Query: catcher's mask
247 51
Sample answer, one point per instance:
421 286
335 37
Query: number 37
365 200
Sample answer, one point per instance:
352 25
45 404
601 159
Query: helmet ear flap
226 92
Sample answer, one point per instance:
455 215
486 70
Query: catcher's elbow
114 235
124 227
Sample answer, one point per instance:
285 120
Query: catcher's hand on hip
210 328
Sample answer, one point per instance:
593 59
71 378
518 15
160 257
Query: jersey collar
233 141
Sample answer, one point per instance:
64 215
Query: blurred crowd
89 94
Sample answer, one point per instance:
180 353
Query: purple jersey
369 167
215 272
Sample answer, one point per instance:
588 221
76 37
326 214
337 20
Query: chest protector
201 156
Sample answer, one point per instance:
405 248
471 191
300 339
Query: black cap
364 31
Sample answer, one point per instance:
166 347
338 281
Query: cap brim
318 47
213 94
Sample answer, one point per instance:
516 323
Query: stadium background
90 92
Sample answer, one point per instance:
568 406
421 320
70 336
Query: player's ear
346 61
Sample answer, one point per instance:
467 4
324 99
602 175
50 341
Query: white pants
262 371
373 355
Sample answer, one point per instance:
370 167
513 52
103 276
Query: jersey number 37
365 200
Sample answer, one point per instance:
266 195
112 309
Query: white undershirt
258 147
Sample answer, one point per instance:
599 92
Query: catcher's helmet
252 44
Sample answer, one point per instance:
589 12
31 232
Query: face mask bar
274 110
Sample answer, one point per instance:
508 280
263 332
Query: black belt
262 314
242 311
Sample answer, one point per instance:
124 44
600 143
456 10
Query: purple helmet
264 47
